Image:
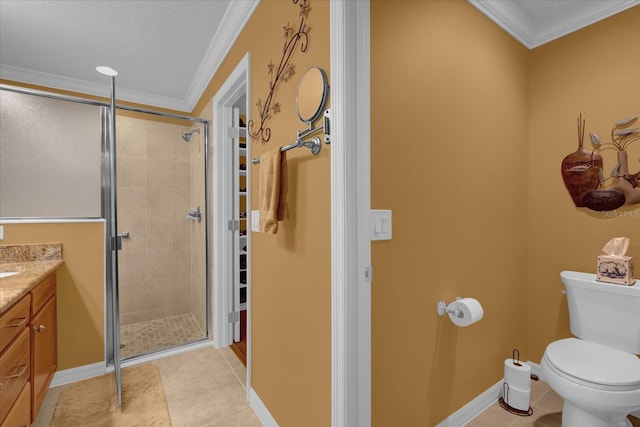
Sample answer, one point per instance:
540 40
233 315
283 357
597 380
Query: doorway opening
239 216
231 201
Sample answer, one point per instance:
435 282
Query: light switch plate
380 224
255 221
1 232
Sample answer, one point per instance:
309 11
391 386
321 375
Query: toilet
598 373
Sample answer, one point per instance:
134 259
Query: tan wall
80 286
469 130
449 111
291 271
596 72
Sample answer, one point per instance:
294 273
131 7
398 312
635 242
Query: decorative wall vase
628 184
581 169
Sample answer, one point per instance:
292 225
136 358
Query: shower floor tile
143 337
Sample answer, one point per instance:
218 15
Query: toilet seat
594 365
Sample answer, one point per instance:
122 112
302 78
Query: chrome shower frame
208 333
106 190
109 210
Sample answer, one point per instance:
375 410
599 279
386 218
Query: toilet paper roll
516 398
517 376
470 311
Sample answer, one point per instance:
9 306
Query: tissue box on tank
615 269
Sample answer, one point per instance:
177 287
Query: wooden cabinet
29 355
44 352
14 371
20 413
44 342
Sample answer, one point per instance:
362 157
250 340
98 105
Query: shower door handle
116 242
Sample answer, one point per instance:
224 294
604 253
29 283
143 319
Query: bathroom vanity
28 338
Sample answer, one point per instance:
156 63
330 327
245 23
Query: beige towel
272 196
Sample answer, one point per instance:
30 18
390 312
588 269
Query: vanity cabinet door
44 354
14 371
20 414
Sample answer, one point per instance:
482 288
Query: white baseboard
77 374
474 408
261 411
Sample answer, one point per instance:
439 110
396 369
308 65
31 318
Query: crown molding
532 32
55 81
232 25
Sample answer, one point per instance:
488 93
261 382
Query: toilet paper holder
443 309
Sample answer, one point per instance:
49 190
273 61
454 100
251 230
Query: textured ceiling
166 51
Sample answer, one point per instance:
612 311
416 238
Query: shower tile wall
154 192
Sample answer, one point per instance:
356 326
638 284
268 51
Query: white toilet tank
603 313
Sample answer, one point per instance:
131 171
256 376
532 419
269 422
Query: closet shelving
242 213
238 225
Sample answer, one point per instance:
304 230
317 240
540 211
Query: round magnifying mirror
313 91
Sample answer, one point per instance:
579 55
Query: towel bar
314 145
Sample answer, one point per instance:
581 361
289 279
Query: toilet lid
595 363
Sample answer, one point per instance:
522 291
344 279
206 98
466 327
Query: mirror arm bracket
325 128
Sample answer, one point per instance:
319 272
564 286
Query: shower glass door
162 204
162 213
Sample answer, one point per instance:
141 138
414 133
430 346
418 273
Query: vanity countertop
31 273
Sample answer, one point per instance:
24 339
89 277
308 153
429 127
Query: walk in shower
162 264
160 187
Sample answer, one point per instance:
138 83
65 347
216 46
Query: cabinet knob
40 328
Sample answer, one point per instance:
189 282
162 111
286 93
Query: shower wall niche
162 265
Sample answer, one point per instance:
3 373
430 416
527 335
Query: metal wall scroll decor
582 169
283 72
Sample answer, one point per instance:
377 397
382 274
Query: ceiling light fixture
107 71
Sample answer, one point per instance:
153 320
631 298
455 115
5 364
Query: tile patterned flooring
140 338
207 388
547 411
204 388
